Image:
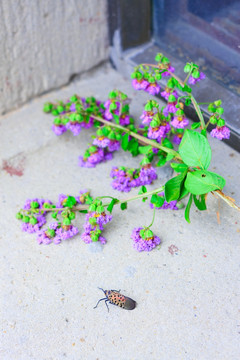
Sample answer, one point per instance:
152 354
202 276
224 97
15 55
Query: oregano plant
164 136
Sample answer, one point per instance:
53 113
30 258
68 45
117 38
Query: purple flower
153 88
172 205
101 142
86 237
140 84
72 107
160 132
179 122
59 129
167 73
113 145
147 117
124 180
167 92
67 231
147 174
62 198
193 81
177 138
170 108
124 120
141 244
30 228
95 158
74 127
220 133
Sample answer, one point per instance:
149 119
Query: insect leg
102 290
107 304
99 302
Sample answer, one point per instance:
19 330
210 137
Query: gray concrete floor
187 302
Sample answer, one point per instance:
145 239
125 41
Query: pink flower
220 133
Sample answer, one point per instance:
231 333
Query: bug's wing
130 304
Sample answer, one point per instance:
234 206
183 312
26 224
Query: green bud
92 208
54 112
60 108
34 205
92 149
142 233
99 132
148 234
33 220
133 75
66 221
211 108
73 98
47 107
220 111
165 60
220 122
195 74
57 121
151 79
187 68
145 161
112 95
25 218
158 57
94 237
92 221
154 123
50 233
180 205
71 215
112 135
100 209
179 112
158 76
19 216
218 103
118 137
171 98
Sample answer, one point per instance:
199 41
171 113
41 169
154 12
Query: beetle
115 298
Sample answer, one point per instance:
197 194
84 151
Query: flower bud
33 220
25 218
220 122
19 216
66 221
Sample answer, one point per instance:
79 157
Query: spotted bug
115 298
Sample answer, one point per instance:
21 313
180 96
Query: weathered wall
43 43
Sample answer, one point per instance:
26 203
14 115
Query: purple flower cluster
172 205
167 92
151 87
105 142
160 132
56 233
220 133
146 244
109 113
179 121
34 223
94 225
193 81
125 179
94 158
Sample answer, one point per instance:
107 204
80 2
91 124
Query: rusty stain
172 249
14 166
82 340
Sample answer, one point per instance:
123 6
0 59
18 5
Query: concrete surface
44 43
187 292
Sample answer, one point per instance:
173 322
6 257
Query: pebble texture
44 43
187 292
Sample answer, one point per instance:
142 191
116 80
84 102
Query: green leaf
188 207
169 157
173 187
70 202
144 149
157 200
83 211
184 192
133 147
200 203
195 125
111 205
161 162
123 206
201 182
124 142
195 150
179 167
142 190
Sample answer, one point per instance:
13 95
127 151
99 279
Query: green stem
139 137
154 211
